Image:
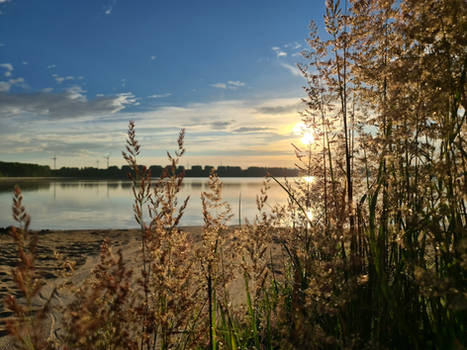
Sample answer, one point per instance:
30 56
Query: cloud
60 79
280 109
230 85
219 86
220 125
3 1
153 58
252 129
51 66
235 83
109 7
8 68
160 95
5 86
70 104
24 62
292 69
84 126
279 52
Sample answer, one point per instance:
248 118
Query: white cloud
8 68
235 83
109 7
51 66
24 62
230 85
153 58
219 86
160 95
279 52
3 1
292 69
60 79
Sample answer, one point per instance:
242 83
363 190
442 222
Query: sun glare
307 138
301 129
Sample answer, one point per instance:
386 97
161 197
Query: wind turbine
55 161
107 156
97 162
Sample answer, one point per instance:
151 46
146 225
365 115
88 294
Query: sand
80 246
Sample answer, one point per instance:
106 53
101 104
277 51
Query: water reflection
74 204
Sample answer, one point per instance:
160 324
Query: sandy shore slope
81 246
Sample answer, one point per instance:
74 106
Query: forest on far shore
113 172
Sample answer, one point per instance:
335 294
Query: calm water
100 204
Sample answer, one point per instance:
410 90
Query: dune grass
370 254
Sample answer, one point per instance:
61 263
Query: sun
301 129
307 138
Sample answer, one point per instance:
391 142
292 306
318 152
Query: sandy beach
79 246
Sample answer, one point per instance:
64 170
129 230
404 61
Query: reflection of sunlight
308 179
309 215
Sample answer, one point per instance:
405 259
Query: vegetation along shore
369 252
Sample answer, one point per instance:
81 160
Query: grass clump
370 250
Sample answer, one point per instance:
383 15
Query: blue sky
72 73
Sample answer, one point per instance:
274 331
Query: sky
73 73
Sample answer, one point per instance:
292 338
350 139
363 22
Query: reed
370 254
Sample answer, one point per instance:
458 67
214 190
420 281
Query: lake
107 204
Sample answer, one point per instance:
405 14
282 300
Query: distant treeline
114 172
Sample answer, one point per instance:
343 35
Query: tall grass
371 254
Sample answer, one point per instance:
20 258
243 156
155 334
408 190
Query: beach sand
79 246
82 247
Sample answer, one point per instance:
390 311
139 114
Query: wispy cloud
230 85
109 7
252 130
5 86
8 68
279 52
292 69
219 85
160 95
153 58
280 109
51 66
220 125
60 79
